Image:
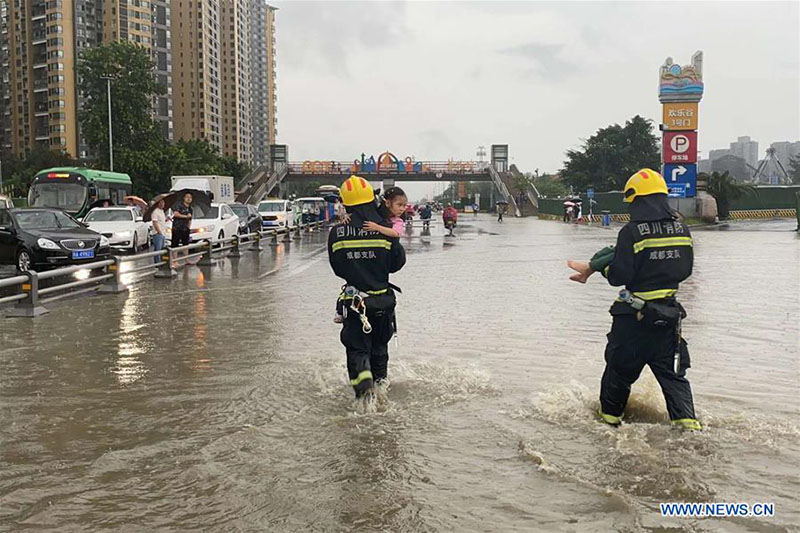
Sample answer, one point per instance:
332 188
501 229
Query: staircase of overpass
259 183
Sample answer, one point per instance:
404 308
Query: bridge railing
415 167
118 273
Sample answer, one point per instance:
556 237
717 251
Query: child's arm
383 230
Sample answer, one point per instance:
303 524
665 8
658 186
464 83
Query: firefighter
364 259
652 256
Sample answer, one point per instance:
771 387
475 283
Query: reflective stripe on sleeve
363 243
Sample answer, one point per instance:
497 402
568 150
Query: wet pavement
219 400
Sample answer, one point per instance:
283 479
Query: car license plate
83 254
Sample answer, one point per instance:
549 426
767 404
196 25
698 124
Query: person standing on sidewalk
159 220
181 221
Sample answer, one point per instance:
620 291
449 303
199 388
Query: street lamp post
110 134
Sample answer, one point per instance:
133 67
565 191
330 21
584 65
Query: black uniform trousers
633 344
368 353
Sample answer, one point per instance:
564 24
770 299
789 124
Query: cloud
547 60
436 141
325 36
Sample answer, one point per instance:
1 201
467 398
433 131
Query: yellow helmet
644 183
356 191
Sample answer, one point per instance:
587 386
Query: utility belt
656 308
358 303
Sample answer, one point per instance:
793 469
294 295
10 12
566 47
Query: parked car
249 218
122 226
213 223
40 238
276 213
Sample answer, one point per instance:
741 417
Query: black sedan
249 218
41 238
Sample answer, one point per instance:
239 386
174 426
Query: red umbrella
135 201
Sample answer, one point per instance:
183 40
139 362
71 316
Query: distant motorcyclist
425 213
652 256
450 218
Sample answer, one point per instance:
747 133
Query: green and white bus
73 189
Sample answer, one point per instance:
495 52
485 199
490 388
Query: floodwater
219 400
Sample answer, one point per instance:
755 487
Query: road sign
680 116
681 180
590 193
680 147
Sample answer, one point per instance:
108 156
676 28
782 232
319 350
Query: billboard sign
680 116
681 180
680 147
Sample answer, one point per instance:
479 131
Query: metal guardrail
119 272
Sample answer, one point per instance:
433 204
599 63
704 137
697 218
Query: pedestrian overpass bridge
387 169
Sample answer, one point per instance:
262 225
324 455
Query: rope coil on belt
359 305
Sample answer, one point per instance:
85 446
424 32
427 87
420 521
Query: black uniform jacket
364 258
653 253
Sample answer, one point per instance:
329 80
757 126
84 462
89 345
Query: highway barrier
116 274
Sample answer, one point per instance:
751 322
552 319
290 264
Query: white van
276 213
219 188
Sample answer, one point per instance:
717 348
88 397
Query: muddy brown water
219 401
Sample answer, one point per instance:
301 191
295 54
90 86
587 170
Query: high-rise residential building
214 58
146 23
236 61
720 152
785 151
40 39
747 149
196 81
263 97
234 78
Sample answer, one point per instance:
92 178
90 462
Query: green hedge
765 197
768 197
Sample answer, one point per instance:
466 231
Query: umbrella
569 203
199 199
105 202
501 202
135 201
323 190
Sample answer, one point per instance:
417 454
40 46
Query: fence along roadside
114 275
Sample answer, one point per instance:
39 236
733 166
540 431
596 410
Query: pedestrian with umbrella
502 205
568 206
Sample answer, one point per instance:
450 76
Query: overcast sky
437 79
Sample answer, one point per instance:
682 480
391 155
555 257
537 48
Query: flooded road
219 400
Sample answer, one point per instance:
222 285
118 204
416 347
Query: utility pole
110 135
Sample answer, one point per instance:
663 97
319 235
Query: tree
133 87
724 188
18 173
794 169
609 157
550 186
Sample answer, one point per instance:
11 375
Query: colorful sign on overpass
388 163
